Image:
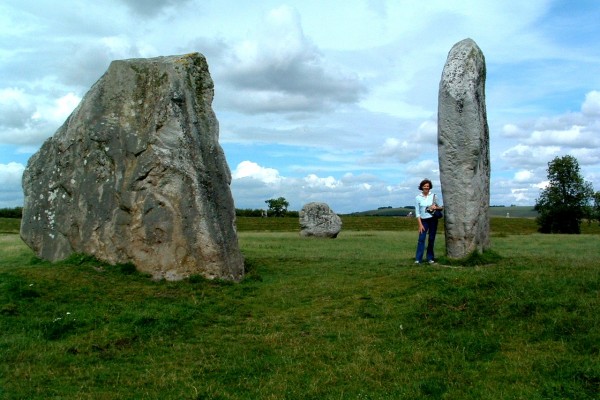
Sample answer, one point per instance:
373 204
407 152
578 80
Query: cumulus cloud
150 8
573 133
15 107
91 58
282 70
249 169
542 140
312 181
524 176
542 185
591 105
520 195
425 169
586 156
427 132
58 111
10 175
393 150
37 120
252 184
512 131
409 147
575 136
523 155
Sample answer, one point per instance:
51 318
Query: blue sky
332 101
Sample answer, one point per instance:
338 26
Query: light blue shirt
421 203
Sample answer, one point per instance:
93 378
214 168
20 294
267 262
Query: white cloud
250 191
590 157
15 107
522 155
425 169
10 175
281 70
12 95
347 99
520 195
29 120
427 132
249 169
312 181
392 150
575 136
542 184
511 130
149 9
542 140
591 105
523 176
60 109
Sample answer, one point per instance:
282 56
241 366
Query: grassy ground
350 318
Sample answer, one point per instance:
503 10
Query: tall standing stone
136 174
463 150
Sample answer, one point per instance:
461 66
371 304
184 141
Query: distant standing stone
136 174
317 219
463 150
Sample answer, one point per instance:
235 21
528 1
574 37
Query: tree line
16 212
275 208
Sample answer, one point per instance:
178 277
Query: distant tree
596 209
16 212
277 207
566 200
248 212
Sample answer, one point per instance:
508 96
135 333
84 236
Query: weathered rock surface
317 219
463 150
136 174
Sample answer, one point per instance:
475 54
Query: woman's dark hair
424 181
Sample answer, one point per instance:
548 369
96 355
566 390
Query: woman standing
425 205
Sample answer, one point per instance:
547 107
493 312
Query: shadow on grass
78 259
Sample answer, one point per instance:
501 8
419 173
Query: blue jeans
430 225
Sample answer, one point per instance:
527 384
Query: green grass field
348 318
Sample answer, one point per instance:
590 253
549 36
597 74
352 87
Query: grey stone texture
463 150
319 220
136 174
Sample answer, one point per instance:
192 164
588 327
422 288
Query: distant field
499 225
10 225
515 212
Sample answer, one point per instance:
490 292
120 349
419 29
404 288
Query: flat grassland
345 318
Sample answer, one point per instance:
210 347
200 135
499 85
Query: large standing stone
318 219
463 150
136 174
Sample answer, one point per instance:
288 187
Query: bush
16 212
